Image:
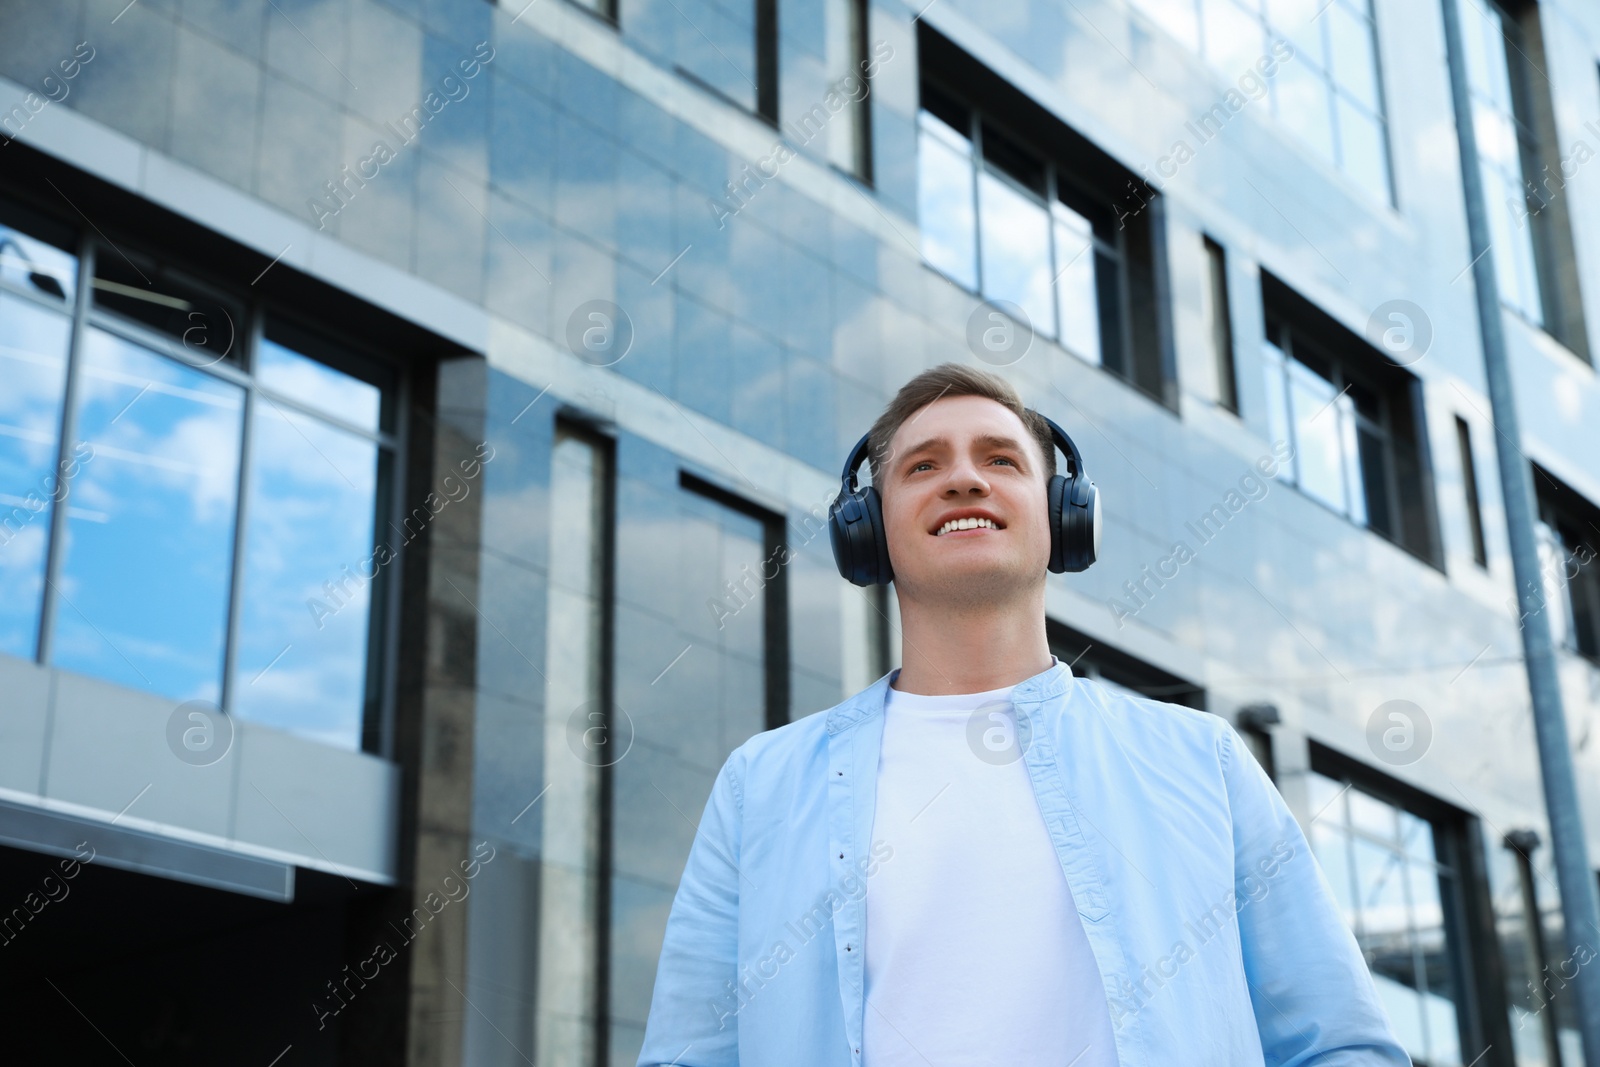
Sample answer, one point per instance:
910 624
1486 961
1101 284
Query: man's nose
965 477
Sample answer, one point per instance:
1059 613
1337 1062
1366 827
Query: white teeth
967 524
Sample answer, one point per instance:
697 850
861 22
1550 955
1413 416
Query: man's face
965 457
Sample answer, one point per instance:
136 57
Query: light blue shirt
1216 934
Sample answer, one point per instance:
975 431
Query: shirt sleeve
1314 998
693 1018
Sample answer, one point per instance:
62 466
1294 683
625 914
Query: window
1115 668
882 643
1503 144
1217 310
38 279
1353 419
1003 217
146 565
745 550
578 721
946 201
1518 156
727 46
1542 1023
1395 878
321 460
718 676
1254 723
1329 93
1569 535
1469 489
223 475
606 9
850 131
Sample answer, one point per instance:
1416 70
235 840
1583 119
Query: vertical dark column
1485 1018
767 60
56 545
860 55
1157 376
1222 326
605 860
413 1016
1469 486
776 624
1523 844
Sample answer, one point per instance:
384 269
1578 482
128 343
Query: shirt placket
1081 864
852 796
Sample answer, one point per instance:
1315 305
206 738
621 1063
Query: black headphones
861 546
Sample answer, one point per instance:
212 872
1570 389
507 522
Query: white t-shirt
976 955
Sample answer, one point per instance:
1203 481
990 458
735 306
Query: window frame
72 308
764 57
578 426
1530 147
1515 113
1471 493
376 731
777 659
857 46
1557 309
1087 658
1292 324
1467 918
604 10
1560 519
1121 357
1220 302
1289 340
880 631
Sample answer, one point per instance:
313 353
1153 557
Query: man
981 859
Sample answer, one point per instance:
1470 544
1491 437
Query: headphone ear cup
1074 524
1081 526
882 572
1057 498
1095 523
855 529
1074 507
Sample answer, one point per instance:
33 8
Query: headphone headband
858 455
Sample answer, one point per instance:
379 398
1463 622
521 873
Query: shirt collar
1048 684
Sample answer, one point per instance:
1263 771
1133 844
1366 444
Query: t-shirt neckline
947 701
919 702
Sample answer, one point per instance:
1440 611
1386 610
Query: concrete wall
90 750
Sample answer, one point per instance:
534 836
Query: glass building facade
418 420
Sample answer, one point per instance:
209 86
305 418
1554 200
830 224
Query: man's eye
1005 459
924 463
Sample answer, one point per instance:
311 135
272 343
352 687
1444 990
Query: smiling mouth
958 525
